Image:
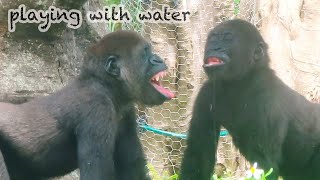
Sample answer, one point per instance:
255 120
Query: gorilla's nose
155 60
219 49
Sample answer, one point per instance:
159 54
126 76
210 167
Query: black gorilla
90 123
270 123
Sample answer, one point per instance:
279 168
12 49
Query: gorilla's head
126 59
233 48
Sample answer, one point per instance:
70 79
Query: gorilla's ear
258 52
112 67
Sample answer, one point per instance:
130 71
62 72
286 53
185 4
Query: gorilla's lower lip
213 61
155 81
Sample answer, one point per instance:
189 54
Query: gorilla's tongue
155 82
164 91
213 61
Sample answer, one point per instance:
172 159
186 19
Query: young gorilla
90 123
270 123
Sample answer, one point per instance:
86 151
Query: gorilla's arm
129 158
203 135
95 144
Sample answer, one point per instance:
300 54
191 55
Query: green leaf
109 2
236 1
269 172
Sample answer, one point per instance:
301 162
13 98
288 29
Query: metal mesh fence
181 45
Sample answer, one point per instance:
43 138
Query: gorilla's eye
228 36
215 36
146 50
224 36
146 53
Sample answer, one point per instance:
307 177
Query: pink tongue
165 92
213 60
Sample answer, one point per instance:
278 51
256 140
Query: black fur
270 123
90 124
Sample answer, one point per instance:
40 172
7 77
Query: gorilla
270 123
90 124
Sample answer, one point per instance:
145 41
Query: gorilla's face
232 49
151 69
127 58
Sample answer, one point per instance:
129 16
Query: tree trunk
292 31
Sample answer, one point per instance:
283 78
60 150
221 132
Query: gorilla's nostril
156 60
218 49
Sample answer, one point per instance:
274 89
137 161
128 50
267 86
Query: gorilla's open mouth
213 61
155 81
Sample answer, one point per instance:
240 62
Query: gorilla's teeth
162 74
159 76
